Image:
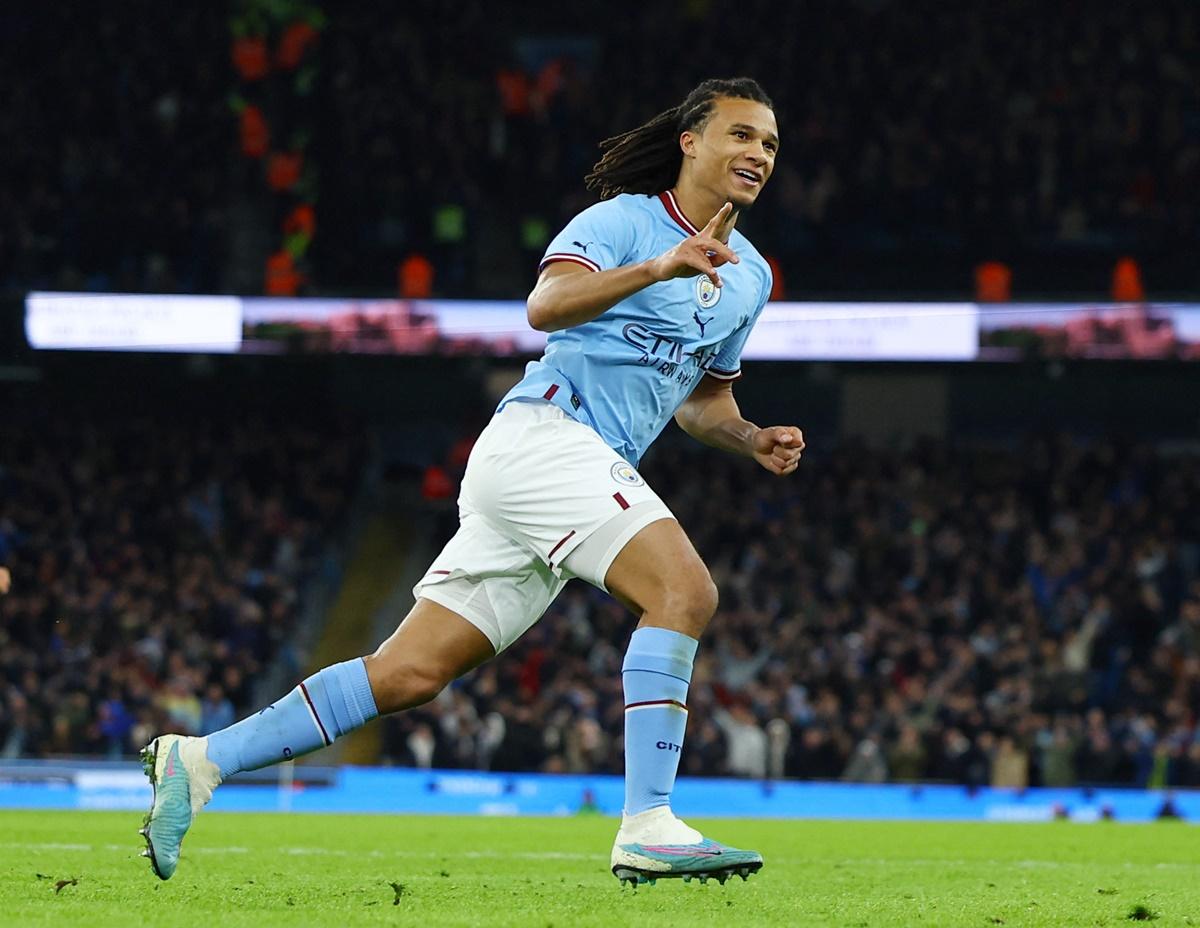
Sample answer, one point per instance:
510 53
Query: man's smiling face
733 154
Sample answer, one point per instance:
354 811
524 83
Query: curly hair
647 159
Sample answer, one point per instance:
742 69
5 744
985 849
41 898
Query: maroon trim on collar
673 210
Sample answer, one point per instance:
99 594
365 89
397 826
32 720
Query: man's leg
659 575
431 648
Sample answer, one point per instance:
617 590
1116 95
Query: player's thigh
433 646
491 580
659 574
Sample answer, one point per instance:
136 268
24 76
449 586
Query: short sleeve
600 238
727 365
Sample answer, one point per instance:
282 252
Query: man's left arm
711 415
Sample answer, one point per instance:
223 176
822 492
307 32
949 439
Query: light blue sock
324 707
656 674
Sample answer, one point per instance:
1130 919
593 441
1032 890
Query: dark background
919 139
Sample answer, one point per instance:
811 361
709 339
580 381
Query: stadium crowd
968 613
157 570
971 614
907 128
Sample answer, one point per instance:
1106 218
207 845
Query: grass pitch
257 871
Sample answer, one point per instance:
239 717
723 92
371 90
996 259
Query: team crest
623 473
707 293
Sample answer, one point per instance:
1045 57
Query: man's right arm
569 294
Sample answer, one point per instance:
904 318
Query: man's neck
699 206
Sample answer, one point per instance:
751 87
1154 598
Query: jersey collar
673 210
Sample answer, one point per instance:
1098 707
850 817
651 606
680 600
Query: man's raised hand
701 253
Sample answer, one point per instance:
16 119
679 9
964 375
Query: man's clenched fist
778 448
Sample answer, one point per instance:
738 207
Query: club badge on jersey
707 293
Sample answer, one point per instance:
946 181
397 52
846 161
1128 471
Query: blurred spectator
115 723
1010 765
908 757
867 763
216 711
746 739
1059 750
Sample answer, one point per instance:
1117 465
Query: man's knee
692 602
399 684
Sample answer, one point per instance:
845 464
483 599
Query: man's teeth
747 175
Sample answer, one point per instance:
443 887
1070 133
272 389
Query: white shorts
543 499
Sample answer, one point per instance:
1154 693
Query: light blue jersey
627 371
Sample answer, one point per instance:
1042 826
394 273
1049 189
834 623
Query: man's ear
687 143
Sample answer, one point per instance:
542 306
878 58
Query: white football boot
656 845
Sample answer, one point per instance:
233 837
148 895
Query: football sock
656 674
324 707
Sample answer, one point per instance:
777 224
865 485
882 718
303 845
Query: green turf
264 870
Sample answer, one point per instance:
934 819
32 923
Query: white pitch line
301 851
306 851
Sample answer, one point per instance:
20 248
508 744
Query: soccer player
648 297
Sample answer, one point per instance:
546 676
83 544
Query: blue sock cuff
660 650
356 690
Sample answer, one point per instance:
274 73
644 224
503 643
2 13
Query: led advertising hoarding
824 331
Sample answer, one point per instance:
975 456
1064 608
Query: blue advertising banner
394 790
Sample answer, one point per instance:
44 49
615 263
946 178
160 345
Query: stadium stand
158 569
1036 134
976 612
1004 146
116 157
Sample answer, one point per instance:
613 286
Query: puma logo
702 322
582 245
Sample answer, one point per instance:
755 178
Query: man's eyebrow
771 136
